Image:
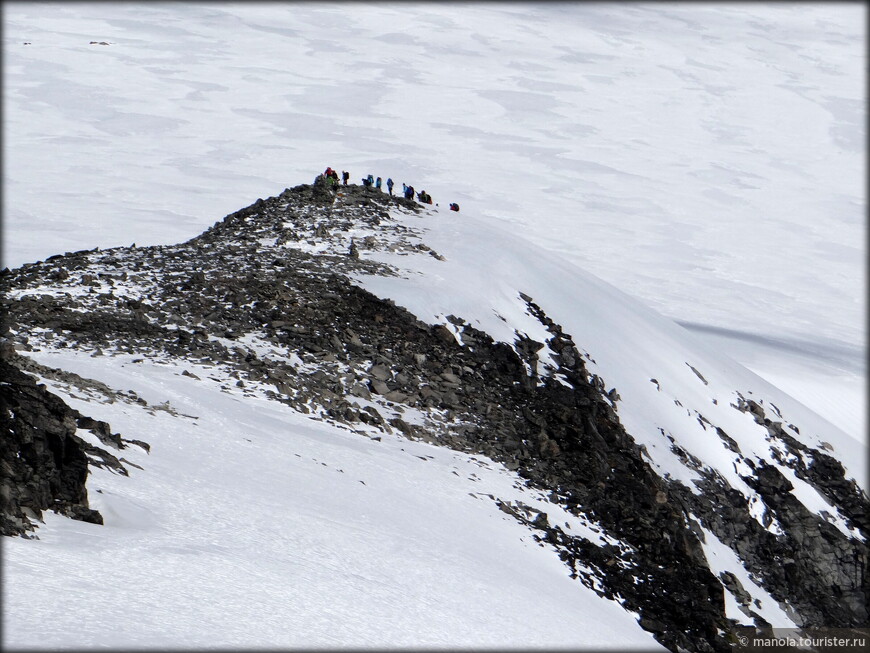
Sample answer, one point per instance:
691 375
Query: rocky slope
277 277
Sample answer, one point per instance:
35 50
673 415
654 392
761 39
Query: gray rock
450 378
379 372
395 396
359 390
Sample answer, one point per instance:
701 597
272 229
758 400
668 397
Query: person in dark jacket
390 185
345 175
454 206
378 183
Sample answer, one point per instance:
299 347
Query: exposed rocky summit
267 296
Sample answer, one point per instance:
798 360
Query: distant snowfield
708 159
347 542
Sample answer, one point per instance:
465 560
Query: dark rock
444 334
44 464
379 372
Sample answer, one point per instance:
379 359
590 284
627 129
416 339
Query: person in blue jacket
390 185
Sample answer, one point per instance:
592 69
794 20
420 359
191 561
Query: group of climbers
408 192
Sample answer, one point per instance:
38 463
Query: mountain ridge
282 274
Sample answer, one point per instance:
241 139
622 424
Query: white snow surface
709 159
250 525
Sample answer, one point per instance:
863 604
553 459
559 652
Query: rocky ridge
265 297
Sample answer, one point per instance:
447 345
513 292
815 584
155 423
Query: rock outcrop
44 464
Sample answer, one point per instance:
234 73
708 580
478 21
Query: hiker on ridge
390 185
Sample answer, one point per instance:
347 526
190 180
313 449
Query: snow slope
708 159
250 525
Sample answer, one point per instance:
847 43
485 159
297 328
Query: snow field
255 526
